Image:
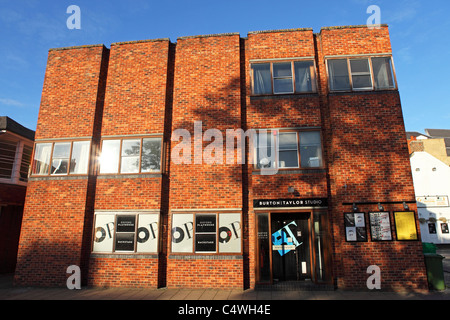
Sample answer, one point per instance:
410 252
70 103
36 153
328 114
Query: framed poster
380 226
205 233
355 227
405 225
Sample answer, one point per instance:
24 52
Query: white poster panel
230 233
182 232
147 233
103 233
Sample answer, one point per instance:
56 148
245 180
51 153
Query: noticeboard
355 227
405 225
380 226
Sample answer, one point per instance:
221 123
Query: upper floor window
61 158
288 149
7 157
359 74
283 77
137 155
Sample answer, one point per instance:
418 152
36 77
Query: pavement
10 292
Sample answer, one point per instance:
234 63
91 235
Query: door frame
312 237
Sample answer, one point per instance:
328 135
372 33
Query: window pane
338 73
103 233
130 156
147 234
283 69
25 164
60 166
229 232
7 158
109 159
61 150
288 141
283 86
310 149
182 232
288 155
129 165
359 65
151 155
131 147
60 160
80 157
41 160
383 73
362 82
205 233
125 233
265 150
288 159
361 77
262 81
303 76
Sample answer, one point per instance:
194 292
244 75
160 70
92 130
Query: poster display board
355 227
405 225
380 226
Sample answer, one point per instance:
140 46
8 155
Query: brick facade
154 87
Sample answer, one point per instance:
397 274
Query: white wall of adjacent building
432 188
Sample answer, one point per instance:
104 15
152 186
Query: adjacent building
16 147
223 161
430 164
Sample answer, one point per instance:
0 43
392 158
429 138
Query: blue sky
419 30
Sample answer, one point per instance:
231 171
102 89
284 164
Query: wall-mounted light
291 189
405 206
355 208
380 207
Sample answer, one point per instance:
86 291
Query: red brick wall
123 271
58 211
135 104
52 231
69 95
368 162
207 88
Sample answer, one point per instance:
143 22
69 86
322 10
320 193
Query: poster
380 226
205 233
405 224
355 227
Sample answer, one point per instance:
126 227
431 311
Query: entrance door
290 246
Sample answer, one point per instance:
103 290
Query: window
338 72
61 158
7 158
25 163
361 78
126 156
375 73
288 149
383 73
206 233
126 232
284 77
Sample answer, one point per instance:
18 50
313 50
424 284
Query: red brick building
130 182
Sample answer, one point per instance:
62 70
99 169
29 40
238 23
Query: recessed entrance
292 248
291 254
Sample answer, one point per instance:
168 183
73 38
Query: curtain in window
303 79
262 80
382 73
80 157
42 158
